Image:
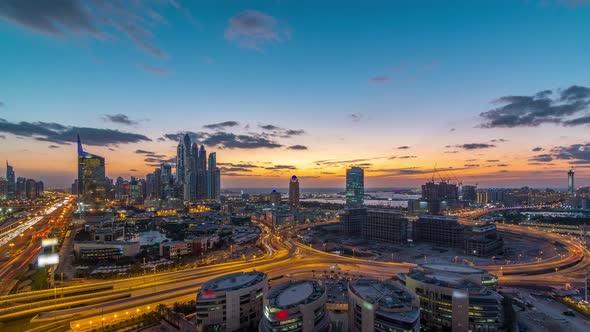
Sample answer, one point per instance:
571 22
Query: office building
571 188
353 219
30 192
355 186
231 302
91 178
440 196
275 197
39 189
455 298
11 182
482 241
385 225
295 306
213 178
108 251
21 188
382 306
202 174
294 192
3 189
441 230
166 182
469 193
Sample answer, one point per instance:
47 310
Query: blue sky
360 78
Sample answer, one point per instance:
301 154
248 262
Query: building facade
294 192
442 230
295 306
91 178
231 302
355 186
385 225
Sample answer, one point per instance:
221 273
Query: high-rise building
30 192
91 178
455 298
39 188
440 195
181 151
295 306
166 181
275 197
353 219
231 302
355 186
150 186
158 183
382 306
10 178
202 174
570 182
21 188
469 193
442 230
3 189
211 180
294 192
385 225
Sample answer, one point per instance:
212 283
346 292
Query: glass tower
355 186
91 178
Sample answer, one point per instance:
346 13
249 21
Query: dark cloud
232 141
253 29
503 165
492 160
297 147
120 119
235 169
407 157
451 151
379 79
239 165
328 173
475 146
499 140
403 147
161 139
276 131
54 146
281 167
60 134
133 170
221 125
542 158
544 107
471 165
575 153
103 20
144 152
193 135
537 149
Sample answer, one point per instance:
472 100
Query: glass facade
91 178
355 186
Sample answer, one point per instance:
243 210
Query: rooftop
234 281
386 295
293 293
454 268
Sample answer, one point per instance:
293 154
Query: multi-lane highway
90 306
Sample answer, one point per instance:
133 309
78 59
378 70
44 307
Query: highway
87 306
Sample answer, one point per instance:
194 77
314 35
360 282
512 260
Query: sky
489 92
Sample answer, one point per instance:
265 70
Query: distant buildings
382 306
231 302
440 195
385 225
441 230
355 186
469 194
455 298
11 182
21 188
275 197
294 192
295 306
353 220
91 178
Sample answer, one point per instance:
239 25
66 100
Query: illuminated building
202 174
483 241
231 302
469 193
294 192
455 298
355 186
3 189
295 306
30 187
11 185
382 306
91 178
213 178
275 197
570 182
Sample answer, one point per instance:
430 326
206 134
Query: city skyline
506 109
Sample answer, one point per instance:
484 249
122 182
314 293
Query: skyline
503 102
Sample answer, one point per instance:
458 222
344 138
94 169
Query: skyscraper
3 188
30 191
91 178
10 178
570 182
202 174
21 188
294 192
166 181
213 178
355 186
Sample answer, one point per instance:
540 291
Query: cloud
297 147
357 117
144 152
575 153
153 69
60 134
221 125
537 149
503 165
474 146
102 20
253 29
407 157
276 131
235 169
120 119
239 165
542 158
133 170
281 167
54 146
499 140
232 141
403 147
558 107
379 80
451 152
193 135
471 165
492 160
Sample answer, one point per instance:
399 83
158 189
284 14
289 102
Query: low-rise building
231 302
295 306
105 251
176 249
382 306
483 241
